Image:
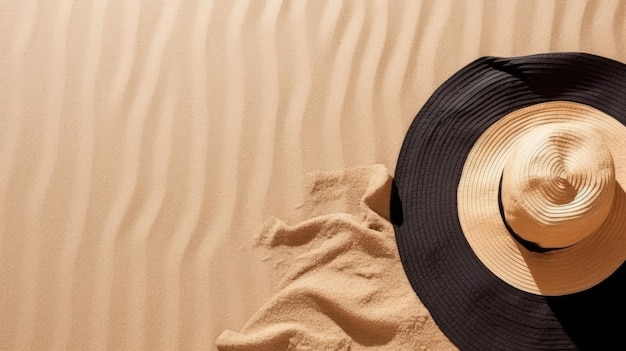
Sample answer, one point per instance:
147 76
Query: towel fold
341 283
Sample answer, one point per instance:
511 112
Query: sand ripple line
336 20
47 130
184 250
105 256
83 160
11 126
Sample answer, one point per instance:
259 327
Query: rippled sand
143 143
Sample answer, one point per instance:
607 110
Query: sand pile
341 285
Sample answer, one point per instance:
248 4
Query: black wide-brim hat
487 287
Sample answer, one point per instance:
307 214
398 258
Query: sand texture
143 144
341 283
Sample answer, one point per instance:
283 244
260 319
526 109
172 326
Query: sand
144 144
341 285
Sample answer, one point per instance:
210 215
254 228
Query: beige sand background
143 143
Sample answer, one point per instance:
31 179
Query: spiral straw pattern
558 185
535 151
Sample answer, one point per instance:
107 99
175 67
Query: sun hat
509 207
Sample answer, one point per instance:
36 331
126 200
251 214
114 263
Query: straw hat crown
558 185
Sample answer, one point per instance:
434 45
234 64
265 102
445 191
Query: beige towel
341 286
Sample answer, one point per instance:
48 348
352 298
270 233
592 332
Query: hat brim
474 307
